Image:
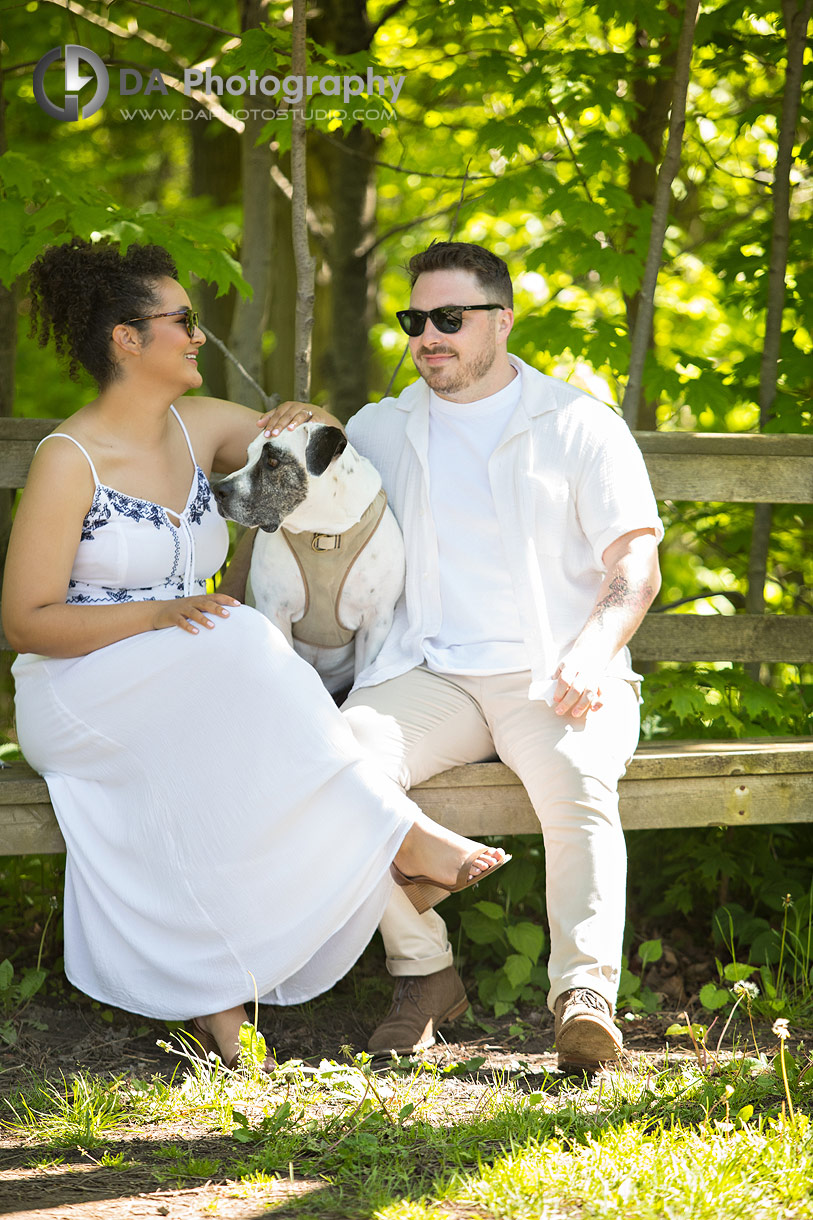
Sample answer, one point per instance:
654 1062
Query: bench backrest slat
718 467
724 637
702 466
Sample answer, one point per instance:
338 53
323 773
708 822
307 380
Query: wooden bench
668 784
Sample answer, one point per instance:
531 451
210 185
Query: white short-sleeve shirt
567 480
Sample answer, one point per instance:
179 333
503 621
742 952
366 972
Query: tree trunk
251 316
352 299
652 101
8 350
797 18
214 172
641 335
279 367
305 262
348 161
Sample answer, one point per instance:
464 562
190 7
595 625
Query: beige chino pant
421 723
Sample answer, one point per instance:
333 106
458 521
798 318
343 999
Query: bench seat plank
675 784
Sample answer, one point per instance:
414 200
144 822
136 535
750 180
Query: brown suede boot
586 1035
419 1005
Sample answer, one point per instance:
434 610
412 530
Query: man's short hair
490 271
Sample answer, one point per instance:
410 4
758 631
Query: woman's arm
41 553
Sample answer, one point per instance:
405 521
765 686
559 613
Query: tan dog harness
324 562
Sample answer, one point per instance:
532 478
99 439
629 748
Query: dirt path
130 1175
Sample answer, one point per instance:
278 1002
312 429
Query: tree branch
185 17
269 400
410 224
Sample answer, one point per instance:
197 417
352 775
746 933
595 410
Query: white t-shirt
480 632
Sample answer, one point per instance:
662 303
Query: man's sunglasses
447 319
191 319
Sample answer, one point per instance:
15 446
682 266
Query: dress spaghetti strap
78 446
186 434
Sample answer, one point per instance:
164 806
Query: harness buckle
326 542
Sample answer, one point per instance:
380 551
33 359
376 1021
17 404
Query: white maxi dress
222 825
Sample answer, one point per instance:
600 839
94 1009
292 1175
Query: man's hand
578 689
291 414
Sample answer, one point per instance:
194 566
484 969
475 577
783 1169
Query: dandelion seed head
780 1028
745 988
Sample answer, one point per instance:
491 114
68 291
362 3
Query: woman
222 825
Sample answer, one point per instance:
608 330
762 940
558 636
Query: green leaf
31 982
527 938
735 972
650 951
253 1049
713 997
518 969
521 879
6 974
685 1031
480 929
8 1033
463 1066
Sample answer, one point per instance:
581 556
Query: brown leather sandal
207 1043
425 892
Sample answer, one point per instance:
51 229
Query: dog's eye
272 461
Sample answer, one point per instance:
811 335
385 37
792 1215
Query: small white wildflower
743 988
780 1028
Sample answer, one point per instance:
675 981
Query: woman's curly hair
81 290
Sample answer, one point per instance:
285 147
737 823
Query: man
531 536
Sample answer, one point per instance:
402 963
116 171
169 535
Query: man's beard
452 380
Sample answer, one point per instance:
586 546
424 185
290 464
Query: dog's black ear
325 444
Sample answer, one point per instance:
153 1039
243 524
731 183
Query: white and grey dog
328 563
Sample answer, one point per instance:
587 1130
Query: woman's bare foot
433 851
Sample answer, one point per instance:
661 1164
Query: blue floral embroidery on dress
202 500
176 559
97 515
109 503
147 594
110 595
106 499
136 509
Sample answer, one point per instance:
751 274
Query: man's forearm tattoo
622 595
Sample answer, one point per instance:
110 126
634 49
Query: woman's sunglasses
447 319
191 319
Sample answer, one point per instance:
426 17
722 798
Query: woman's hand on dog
188 612
291 414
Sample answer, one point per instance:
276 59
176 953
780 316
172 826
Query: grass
728 1138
